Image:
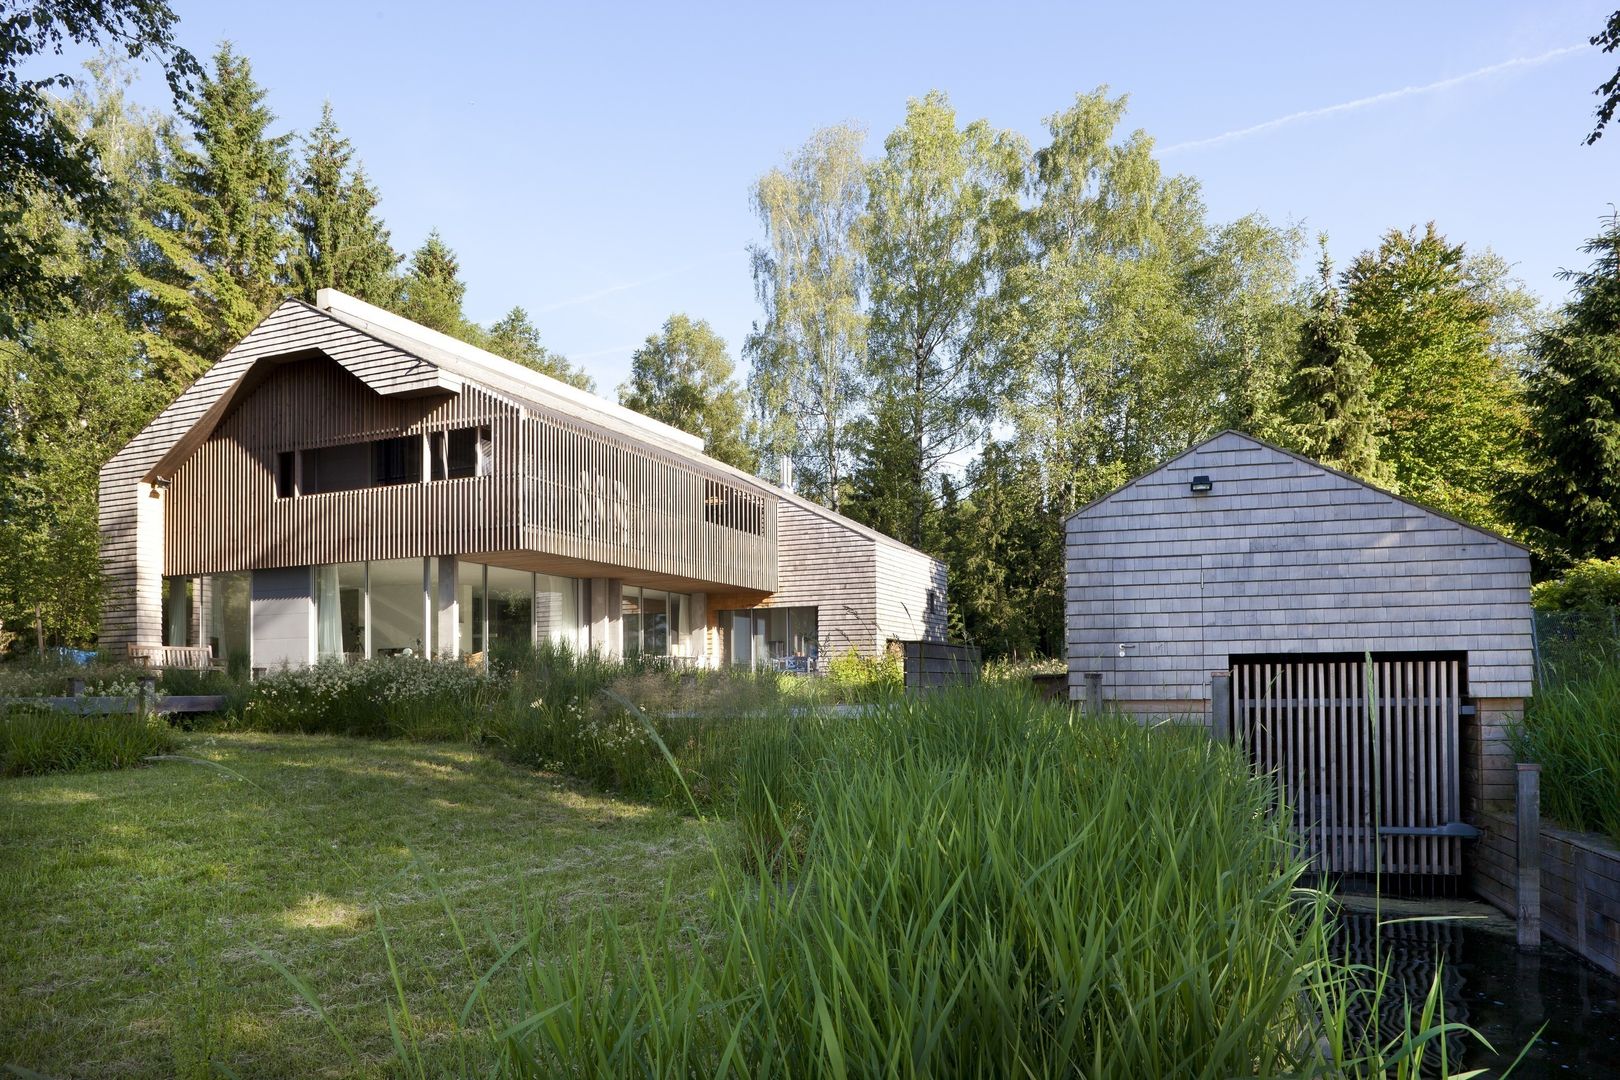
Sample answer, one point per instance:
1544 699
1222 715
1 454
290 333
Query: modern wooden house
345 483
1244 585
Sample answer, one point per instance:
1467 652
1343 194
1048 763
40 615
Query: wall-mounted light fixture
158 488
1202 485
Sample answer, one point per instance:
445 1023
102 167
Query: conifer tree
432 290
1569 498
1328 395
342 244
518 339
682 376
218 237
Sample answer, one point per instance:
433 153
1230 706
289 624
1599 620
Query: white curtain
328 614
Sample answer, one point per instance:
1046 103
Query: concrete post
1529 835
1220 706
1094 699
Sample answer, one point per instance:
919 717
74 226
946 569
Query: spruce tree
518 339
217 240
1569 498
432 290
342 244
1328 397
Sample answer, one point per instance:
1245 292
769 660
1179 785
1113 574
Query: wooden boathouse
1368 651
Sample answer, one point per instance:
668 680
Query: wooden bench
193 657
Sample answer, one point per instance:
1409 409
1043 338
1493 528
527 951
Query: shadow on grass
140 903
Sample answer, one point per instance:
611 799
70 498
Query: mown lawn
136 906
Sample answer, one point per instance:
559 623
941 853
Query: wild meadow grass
34 741
1572 728
970 884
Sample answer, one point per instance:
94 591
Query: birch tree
807 352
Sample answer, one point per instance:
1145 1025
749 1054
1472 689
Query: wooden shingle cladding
1282 556
585 494
868 589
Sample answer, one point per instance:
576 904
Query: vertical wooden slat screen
1345 775
557 487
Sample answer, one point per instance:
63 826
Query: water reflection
1504 994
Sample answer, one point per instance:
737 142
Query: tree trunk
918 495
39 628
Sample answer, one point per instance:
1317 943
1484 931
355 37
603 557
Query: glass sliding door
229 619
654 623
556 611
630 619
783 638
177 626
398 607
340 612
510 599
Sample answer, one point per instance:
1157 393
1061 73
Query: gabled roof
496 372
400 358
1256 441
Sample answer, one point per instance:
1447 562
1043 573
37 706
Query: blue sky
593 162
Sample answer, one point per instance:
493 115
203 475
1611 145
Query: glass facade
228 618
340 611
654 622
398 607
403 607
509 599
784 639
556 611
177 625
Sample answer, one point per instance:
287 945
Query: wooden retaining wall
1580 884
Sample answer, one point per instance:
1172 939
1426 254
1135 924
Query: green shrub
34 741
1593 585
1573 730
856 678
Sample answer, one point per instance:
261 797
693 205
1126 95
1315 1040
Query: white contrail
634 345
1375 99
626 286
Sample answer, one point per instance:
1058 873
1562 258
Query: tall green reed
985 887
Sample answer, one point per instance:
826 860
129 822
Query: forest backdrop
960 341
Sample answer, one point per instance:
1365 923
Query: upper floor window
396 461
733 507
461 452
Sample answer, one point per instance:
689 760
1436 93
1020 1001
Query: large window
510 596
228 616
784 639
654 622
556 610
340 611
451 455
398 607
461 452
335 468
396 461
177 624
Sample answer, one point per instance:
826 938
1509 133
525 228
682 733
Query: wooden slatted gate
1357 782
